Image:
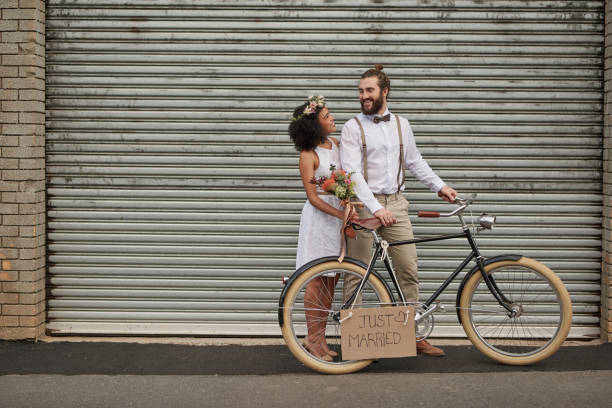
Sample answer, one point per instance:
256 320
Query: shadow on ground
69 358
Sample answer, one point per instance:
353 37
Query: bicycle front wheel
311 308
541 318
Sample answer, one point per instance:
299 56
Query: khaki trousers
404 257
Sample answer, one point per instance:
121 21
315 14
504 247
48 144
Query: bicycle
513 309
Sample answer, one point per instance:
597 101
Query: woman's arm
307 169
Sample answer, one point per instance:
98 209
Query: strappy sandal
324 357
329 352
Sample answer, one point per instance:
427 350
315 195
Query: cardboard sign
378 332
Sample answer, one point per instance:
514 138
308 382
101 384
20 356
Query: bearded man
378 146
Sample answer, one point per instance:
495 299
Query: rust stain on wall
6 265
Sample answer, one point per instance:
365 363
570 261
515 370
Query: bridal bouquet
339 183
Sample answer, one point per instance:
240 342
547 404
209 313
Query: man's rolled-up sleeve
416 164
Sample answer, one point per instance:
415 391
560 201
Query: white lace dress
319 231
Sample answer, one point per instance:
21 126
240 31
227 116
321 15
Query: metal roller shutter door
173 192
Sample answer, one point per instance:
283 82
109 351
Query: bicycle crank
424 320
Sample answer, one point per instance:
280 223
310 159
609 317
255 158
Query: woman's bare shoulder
309 158
307 154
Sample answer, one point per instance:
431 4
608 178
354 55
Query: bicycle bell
487 221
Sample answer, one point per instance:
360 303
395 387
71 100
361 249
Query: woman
322 215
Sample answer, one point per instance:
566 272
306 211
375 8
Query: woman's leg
313 304
317 302
330 285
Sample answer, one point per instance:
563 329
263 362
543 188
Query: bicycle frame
475 254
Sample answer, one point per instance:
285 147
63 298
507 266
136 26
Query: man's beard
377 103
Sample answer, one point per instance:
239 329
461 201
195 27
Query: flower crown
314 103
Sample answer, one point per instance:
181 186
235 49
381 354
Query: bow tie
385 118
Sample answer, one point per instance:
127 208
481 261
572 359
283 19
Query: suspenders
400 171
364 149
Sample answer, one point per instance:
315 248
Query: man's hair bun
382 78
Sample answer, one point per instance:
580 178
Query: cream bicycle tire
531 286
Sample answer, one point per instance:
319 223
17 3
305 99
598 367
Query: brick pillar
22 166
606 270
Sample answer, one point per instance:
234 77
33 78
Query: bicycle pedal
440 307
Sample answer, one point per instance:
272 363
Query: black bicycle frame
490 282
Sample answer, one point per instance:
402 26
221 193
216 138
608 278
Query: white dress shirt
382 143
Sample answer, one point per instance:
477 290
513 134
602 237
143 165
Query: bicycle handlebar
429 214
374 223
464 203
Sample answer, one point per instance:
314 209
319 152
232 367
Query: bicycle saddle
368 223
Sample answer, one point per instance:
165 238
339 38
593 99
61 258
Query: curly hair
306 132
383 79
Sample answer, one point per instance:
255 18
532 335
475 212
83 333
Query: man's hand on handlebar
386 217
447 194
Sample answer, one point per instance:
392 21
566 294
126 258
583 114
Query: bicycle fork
506 303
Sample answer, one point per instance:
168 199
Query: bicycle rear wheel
542 306
294 310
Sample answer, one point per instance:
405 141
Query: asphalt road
103 374
70 358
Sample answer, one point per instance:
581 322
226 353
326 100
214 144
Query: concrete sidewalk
364 390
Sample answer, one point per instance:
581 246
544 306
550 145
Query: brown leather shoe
425 348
